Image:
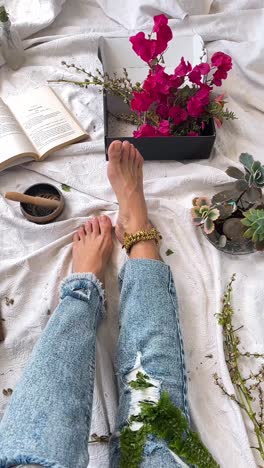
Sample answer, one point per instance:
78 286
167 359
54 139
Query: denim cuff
81 286
143 266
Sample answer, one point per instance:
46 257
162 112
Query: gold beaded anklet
131 239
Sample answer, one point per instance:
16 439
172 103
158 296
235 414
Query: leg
150 338
48 419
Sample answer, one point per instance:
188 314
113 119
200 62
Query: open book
33 125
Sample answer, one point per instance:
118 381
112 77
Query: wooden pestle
38 201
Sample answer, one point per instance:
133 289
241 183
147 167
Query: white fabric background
34 259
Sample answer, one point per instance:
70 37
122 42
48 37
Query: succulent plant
254 221
254 170
204 214
250 182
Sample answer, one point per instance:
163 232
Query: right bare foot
125 173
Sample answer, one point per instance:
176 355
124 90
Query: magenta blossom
183 68
218 76
163 111
221 60
141 102
144 48
192 133
195 107
145 130
196 74
164 128
176 81
178 114
163 31
204 94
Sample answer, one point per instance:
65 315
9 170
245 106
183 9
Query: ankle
147 249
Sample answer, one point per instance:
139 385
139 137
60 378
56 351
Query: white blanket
34 259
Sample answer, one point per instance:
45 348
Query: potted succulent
233 220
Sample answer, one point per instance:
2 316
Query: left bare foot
92 247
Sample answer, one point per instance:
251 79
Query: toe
76 237
139 159
132 156
88 227
115 151
105 224
81 233
96 227
125 152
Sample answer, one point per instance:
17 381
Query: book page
44 119
13 141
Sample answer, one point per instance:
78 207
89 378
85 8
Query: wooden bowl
37 214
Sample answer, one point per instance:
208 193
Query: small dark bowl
38 214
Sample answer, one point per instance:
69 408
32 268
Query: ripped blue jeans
48 420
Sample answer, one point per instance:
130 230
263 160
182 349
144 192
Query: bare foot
125 173
92 247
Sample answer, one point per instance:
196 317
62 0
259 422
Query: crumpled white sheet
34 259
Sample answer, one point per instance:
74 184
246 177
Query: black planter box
116 53
176 148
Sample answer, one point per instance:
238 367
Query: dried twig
248 390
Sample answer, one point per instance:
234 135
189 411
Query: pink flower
145 130
183 68
178 114
204 94
196 74
164 128
176 81
221 60
220 99
195 106
163 31
160 21
192 133
218 76
218 122
144 48
204 68
157 83
141 102
163 111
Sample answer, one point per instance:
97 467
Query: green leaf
247 160
213 214
65 187
140 382
241 185
234 172
255 166
132 445
209 226
169 252
254 221
225 195
251 195
226 210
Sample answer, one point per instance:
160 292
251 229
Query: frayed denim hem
81 285
14 460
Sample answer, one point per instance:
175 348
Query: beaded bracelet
131 239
